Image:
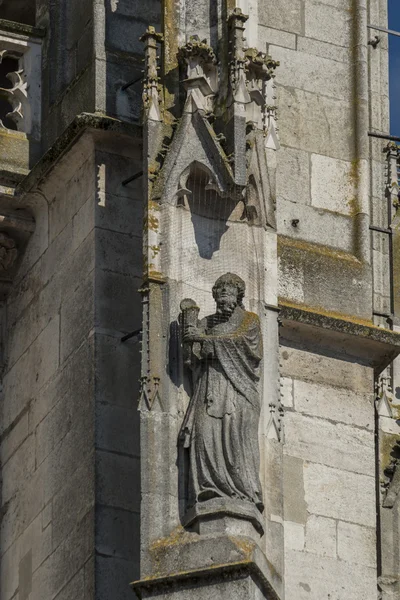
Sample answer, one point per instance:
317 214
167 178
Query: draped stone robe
221 424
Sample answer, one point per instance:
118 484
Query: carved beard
226 306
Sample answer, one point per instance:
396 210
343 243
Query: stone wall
329 476
322 187
92 49
69 436
324 203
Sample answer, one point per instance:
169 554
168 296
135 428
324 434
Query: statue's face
226 297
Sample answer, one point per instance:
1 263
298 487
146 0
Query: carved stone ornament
8 252
224 351
151 96
199 60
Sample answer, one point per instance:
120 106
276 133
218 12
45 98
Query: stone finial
201 71
151 96
260 84
237 56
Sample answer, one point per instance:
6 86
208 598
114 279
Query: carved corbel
201 82
151 94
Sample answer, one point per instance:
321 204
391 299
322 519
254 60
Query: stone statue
220 428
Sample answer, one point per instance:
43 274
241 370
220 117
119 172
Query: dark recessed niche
20 11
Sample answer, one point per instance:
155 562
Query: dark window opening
394 67
8 65
20 11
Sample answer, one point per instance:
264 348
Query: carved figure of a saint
221 424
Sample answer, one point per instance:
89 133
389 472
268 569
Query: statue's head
228 292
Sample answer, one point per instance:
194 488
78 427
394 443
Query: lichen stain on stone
246 547
302 246
178 537
319 310
388 442
153 223
155 250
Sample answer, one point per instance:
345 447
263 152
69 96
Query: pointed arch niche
212 212
207 231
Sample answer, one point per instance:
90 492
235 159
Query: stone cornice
21 29
347 336
82 122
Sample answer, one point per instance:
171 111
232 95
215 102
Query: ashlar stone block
340 494
333 403
328 23
294 504
323 49
315 368
282 14
293 176
338 229
309 112
294 536
311 577
332 184
276 37
312 73
320 536
357 544
337 445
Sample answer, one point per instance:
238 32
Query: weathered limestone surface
79 491
69 424
92 50
321 179
329 476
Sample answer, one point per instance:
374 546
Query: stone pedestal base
199 567
223 515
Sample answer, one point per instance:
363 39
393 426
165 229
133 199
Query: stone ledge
21 29
370 345
206 560
80 124
209 576
218 508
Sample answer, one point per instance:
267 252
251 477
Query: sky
394 67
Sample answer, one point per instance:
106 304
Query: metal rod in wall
389 31
384 136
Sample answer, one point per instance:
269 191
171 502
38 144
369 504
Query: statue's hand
192 334
207 349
